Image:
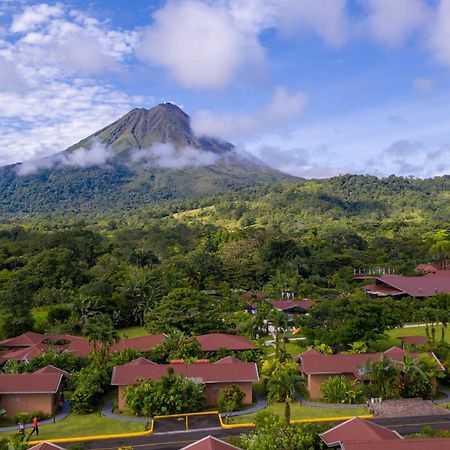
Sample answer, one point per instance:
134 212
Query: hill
147 156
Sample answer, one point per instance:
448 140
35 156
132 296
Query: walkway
107 411
260 404
446 391
63 413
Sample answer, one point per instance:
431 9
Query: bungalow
318 367
215 376
46 446
141 343
39 391
357 429
395 444
209 443
293 307
412 340
427 285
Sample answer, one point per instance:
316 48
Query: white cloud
96 155
326 18
199 44
392 22
439 40
35 15
10 79
168 157
283 108
424 85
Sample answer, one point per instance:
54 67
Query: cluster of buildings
42 390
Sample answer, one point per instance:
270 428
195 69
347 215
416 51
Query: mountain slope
136 170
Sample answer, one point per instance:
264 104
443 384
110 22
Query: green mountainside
124 182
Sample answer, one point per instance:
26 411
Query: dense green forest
306 236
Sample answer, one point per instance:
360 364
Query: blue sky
313 87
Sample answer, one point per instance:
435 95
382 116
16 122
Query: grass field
304 412
86 425
418 331
132 332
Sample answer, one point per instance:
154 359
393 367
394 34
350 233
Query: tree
100 330
186 310
339 389
440 251
414 380
383 377
172 394
283 382
230 398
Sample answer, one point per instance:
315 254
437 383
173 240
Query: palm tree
383 375
411 372
283 382
100 331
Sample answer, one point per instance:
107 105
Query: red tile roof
428 268
413 340
210 443
228 360
129 374
46 446
141 343
283 305
24 354
355 429
30 383
317 363
382 290
24 340
52 369
422 286
404 444
215 341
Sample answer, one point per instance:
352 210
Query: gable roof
316 363
285 305
52 369
215 341
25 353
421 286
30 383
46 446
404 444
141 362
129 374
24 340
228 360
210 443
354 429
141 343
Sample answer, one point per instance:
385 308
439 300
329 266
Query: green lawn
304 412
86 425
132 332
418 331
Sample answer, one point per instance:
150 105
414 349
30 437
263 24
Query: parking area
186 423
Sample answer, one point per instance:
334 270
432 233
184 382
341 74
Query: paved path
302 401
446 391
107 410
63 413
260 404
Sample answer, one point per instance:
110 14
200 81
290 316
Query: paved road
178 439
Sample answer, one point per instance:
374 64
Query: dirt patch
410 407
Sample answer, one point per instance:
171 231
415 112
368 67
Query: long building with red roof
215 376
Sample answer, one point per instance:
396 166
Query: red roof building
215 376
30 392
421 286
357 429
46 446
413 340
318 367
210 443
141 343
215 341
52 369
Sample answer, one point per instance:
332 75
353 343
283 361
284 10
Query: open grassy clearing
303 412
85 425
418 331
132 332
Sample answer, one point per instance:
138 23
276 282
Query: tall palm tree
101 332
283 382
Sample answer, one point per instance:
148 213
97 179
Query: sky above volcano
313 87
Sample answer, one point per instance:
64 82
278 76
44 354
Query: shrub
75 446
339 389
28 417
170 395
230 398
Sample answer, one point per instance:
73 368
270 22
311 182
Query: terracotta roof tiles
30 383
